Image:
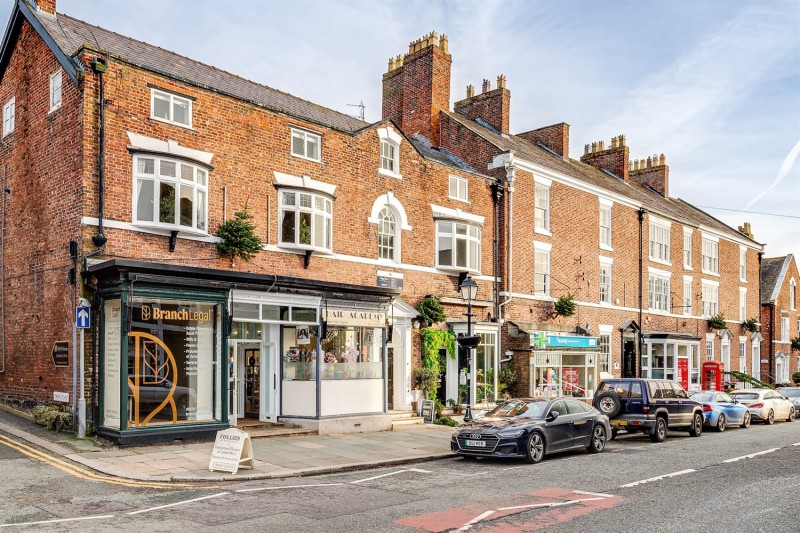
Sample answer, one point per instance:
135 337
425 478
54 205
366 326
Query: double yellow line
82 473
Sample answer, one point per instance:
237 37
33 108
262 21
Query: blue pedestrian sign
82 315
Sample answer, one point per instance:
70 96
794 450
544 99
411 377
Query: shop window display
353 353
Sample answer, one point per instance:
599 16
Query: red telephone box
712 375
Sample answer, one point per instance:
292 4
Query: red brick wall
493 107
771 315
41 161
555 137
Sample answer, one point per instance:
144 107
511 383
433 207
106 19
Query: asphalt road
740 480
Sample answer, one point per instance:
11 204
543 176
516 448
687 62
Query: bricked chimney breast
491 106
614 159
652 172
416 86
555 137
47 6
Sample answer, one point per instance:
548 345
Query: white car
765 405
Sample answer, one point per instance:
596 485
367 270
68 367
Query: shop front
184 352
673 356
563 364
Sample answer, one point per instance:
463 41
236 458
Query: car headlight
511 434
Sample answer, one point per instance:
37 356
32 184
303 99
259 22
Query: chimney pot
443 43
470 90
602 145
501 81
594 147
486 86
662 160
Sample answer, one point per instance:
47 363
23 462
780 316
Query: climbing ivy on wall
432 340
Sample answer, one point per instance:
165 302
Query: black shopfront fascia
126 280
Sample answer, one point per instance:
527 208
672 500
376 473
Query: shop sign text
150 312
353 317
61 353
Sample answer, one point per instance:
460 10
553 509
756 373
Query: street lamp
469 289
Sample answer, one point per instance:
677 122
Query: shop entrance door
269 383
233 384
249 366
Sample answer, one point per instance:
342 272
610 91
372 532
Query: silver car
793 395
765 405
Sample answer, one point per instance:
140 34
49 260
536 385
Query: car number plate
619 422
476 443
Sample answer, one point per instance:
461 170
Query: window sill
709 273
302 249
169 228
298 156
389 174
457 270
6 134
660 261
540 231
687 267
171 123
54 109
606 247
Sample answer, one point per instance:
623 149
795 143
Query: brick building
780 318
121 161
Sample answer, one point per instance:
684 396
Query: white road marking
378 477
58 520
421 471
514 467
751 455
470 475
475 520
796 444
602 494
290 487
551 504
657 478
178 503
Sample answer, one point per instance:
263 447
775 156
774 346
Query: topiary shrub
238 237
430 310
716 322
565 305
750 324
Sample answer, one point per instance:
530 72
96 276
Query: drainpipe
3 269
511 171
99 66
637 371
497 194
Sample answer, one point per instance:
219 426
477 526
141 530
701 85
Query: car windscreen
512 408
702 397
745 395
790 393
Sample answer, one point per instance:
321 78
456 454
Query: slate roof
428 151
72 35
672 208
773 270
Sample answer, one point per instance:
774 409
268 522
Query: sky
713 85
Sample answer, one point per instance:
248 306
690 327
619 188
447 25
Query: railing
736 378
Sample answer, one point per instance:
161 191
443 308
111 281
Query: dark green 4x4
650 406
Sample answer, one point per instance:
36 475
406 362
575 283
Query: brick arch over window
389 215
390 200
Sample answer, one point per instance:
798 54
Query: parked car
793 395
765 405
650 406
721 410
532 428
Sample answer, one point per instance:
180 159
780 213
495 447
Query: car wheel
697 425
535 451
791 415
614 433
608 403
660 431
746 421
598 441
721 423
770 418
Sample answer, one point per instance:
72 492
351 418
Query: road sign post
82 322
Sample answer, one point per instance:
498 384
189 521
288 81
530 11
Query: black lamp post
469 289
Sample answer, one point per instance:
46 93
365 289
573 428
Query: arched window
387 234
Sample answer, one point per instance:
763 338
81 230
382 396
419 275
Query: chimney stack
746 230
555 137
416 87
652 172
614 159
46 6
491 106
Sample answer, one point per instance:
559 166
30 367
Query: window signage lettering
353 317
61 353
182 315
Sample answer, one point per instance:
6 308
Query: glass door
269 383
249 366
233 383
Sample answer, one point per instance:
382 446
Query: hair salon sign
355 317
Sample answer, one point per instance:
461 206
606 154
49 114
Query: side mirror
551 416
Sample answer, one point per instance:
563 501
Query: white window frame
742 303
56 90
709 347
197 183
318 207
541 217
755 352
604 345
743 354
458 189
309 138
710 255
709 298
389 164
659 237
687 248
792 294
658 286
472 242
541 268
9 115
725 354
605 280
172 100
742 264
785 333
687 295
605 222
393 235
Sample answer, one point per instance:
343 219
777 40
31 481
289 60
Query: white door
270 383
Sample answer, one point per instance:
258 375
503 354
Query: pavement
275 457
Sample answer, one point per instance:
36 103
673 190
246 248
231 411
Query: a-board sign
232 449
61 353
428 411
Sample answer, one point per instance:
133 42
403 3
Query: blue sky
713 85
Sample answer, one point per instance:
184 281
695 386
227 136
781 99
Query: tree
238 237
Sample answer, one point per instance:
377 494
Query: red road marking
458 517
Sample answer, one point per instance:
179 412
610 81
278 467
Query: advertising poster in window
112 363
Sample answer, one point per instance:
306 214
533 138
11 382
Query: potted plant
565 305
716 322
796 343
427 379
431 310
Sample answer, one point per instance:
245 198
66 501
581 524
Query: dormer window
169 107
306 144
390 152
55 90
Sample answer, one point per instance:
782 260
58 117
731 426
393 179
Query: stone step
405 421
399 415
278 432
